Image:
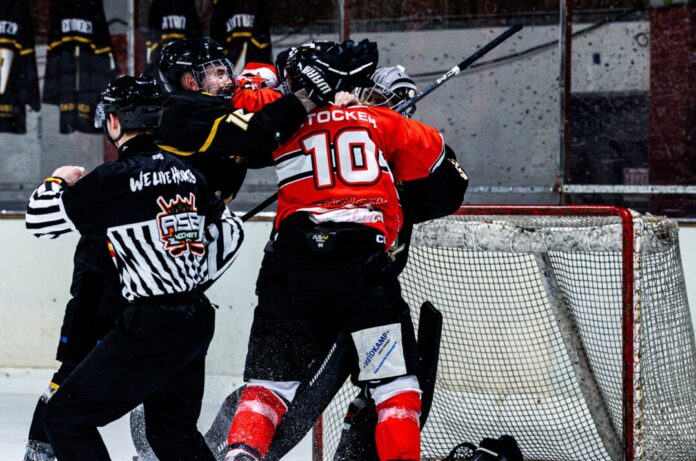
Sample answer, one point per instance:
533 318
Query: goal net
566 327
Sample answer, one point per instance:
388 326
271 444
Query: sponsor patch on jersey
380 352
180 226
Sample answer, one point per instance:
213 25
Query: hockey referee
168 235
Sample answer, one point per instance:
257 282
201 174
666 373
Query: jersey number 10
354 158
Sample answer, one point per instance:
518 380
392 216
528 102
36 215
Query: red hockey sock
398 427
258 413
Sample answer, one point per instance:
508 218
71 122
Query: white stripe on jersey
299 167
46 217
146 267
441 157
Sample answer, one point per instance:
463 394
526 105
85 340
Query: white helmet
391 86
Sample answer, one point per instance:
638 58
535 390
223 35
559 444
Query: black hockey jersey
222 141
19 83
243 29
169 20
80 62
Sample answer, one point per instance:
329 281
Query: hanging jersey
80 62
168 232
169 20
342 164
19 83
242 27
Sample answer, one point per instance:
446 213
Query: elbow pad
437 195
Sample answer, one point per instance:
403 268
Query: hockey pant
155 356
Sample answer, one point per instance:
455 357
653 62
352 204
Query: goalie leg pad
398 427
258 414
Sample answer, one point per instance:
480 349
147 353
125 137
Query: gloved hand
323 71
502 449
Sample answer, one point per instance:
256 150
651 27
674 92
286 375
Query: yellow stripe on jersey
172 35
258 44
176 151
211 135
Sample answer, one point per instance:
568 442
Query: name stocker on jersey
341 165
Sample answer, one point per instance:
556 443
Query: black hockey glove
352 64
502 449
321 88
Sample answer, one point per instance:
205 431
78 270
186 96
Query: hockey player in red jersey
326 271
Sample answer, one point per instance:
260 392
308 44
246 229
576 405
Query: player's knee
398 427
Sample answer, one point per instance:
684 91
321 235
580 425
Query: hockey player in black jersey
168 236
200 123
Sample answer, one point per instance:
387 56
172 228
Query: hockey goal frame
628 301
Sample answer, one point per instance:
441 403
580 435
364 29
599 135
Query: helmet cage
209 74
379 95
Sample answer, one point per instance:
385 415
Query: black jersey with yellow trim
242 27
19 82
79 63
169 20
221 141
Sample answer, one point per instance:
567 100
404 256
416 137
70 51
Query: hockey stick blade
404 105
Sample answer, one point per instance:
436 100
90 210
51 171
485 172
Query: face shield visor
215 77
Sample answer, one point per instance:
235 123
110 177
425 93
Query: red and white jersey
341 166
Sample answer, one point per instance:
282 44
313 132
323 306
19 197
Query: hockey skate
39 451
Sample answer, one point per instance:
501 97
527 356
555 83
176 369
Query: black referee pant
155 356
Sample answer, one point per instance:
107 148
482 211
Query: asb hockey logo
180 226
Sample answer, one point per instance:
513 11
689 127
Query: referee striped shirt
164 238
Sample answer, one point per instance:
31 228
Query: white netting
532 337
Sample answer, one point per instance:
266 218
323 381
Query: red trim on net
318 440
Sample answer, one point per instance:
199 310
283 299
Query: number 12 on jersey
354 155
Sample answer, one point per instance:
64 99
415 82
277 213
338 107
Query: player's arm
262 131
437 195
431 183
65 202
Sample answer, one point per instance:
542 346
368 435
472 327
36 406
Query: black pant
306 298
156 355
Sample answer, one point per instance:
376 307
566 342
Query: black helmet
195 55
136 101
289 62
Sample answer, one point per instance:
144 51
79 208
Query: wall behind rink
35 279
503 121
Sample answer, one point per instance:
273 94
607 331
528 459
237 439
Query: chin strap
113 141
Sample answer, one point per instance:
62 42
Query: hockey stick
408 103
260 207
